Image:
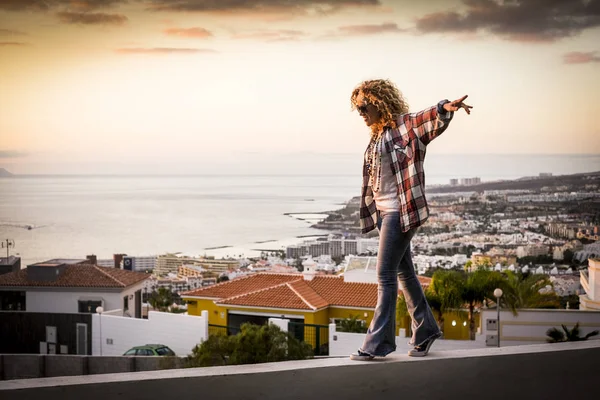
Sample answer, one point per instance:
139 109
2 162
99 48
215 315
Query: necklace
373 162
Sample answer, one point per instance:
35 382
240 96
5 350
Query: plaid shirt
407 145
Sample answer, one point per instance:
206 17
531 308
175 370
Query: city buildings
334 246
169 263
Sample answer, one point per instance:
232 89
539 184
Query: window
130 352
12 300
89 306
125 303
164 351
145 352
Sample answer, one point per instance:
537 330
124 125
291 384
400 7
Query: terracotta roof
307 293
79 276
350 294
242 285
281 296
293 292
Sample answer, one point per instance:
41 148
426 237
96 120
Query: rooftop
77 275
292 291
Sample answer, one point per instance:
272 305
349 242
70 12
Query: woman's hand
457 105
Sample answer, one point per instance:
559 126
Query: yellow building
308 299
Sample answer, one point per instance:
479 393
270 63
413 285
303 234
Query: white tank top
386 198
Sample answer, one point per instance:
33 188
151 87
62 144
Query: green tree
352 324
161 299
567 335
456 289
254 344
298 264
523 291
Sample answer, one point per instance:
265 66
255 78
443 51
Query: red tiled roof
350 294
292 291
302 289
81 275
242 285
281 296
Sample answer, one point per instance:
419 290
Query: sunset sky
90 83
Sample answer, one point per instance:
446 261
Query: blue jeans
394 261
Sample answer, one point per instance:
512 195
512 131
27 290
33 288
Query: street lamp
100 310
498 294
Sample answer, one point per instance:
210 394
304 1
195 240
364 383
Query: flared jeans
394 264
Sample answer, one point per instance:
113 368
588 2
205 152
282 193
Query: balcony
543 371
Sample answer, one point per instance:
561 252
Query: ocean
221 215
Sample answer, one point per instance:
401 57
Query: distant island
4 173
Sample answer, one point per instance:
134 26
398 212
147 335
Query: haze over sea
77 215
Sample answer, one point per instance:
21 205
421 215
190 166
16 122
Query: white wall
54 301
530 326
344 343
178 331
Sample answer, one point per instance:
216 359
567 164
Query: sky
188 85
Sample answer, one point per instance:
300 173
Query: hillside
4 172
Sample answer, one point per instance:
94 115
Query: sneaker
361 356
423 349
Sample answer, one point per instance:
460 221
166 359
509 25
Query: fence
315 335
222 329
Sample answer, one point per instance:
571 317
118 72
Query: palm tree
161 299
523 291
569 335
456 289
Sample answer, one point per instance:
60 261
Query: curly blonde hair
385 96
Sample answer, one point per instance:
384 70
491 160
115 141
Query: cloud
578 57
360 30
47 5
162 50
262 7
11 32
517 20
2 44
11 154
197 33
275 35
85 18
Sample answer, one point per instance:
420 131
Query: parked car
150 350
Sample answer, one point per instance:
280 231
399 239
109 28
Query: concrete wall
489 373
28 366
344 343
530 326
64 301
178 331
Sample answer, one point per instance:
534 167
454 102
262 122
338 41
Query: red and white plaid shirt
407 145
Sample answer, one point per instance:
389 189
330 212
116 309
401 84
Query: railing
222 330
315 335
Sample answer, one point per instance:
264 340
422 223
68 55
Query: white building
590 280
72 286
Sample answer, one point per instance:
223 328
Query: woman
393 200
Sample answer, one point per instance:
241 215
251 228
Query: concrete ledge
65 365
28 366
516 372
150 363
110 365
